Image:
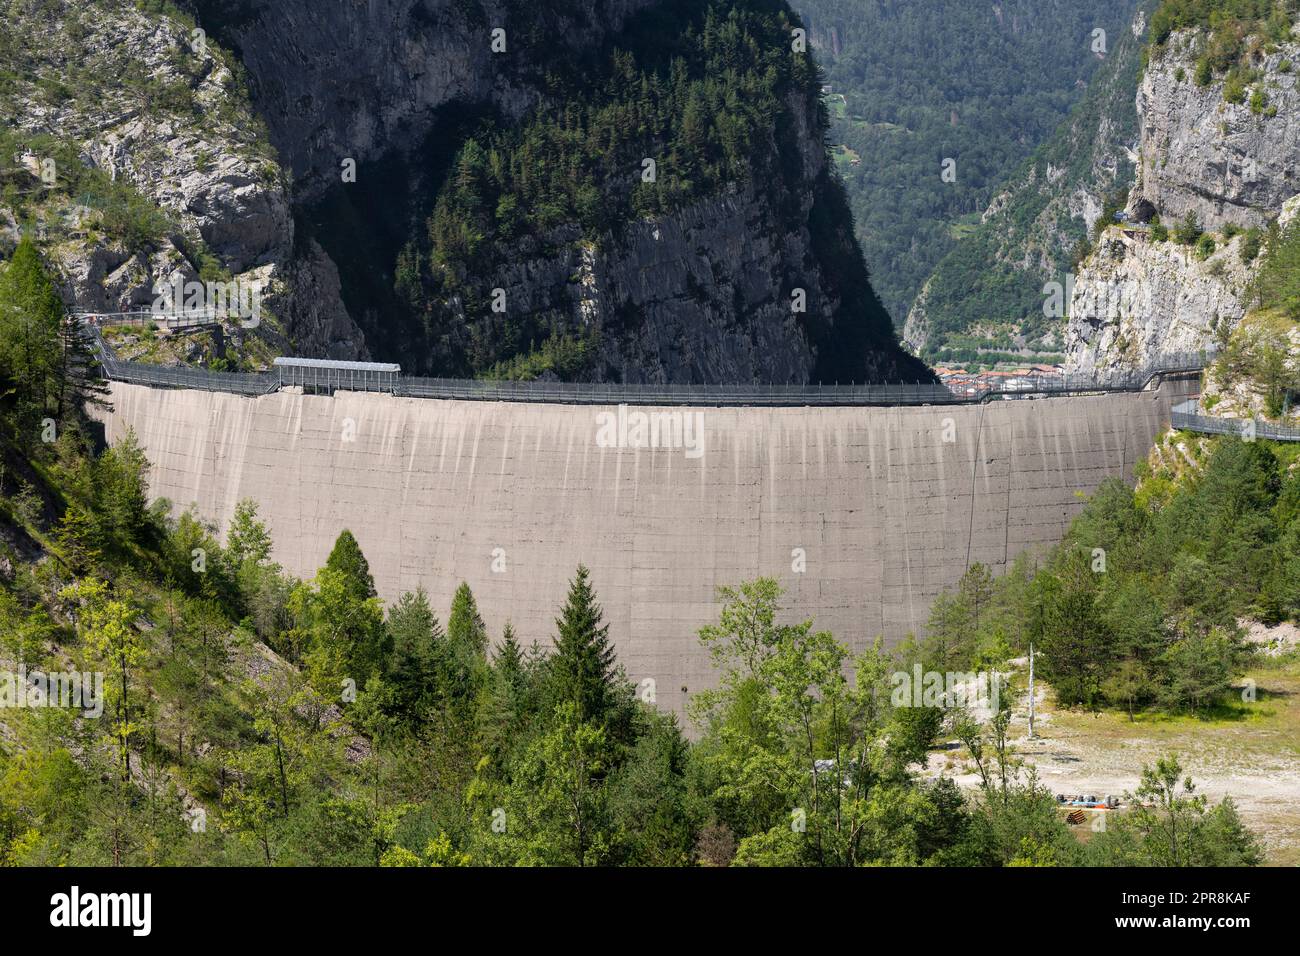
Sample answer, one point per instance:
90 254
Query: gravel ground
1255 760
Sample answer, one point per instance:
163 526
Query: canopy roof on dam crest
339 365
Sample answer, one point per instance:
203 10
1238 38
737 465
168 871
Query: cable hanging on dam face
975 464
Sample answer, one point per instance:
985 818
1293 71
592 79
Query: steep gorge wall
360 79
239 125
887 512
1225 162
1230 165
701 292
136 93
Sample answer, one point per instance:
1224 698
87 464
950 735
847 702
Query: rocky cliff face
706 294
1136 299
702 293
1229 160
343 80
1225 162
145 102
654 303
248 152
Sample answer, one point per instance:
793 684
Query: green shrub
133 219
54 91
1188 231
1277 284
1251 244
1205 247
1224 27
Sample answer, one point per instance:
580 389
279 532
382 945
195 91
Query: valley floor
1250 752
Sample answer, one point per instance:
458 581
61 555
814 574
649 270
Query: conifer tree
345 631
463 665
509 658
342 619
78 538
346 558
417 637
503 707
466 632
583 668
31 328
80 380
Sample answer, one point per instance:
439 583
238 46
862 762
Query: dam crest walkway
321 376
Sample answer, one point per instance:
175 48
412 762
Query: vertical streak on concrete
905 511
1006 507
975 464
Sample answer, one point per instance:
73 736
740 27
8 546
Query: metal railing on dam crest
1188 417
327 377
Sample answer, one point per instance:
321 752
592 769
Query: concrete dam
864 514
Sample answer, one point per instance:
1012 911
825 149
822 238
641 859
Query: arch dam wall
887 511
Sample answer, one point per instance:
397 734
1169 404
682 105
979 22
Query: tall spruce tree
412 664
509 658
31 334
466 632
344 621
81 381
346 558
503 708
584 666
463 664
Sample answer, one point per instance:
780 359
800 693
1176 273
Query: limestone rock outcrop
1228 160
1137 299
148 101
1225 162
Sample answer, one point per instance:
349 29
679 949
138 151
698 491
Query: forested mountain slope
630 190
915 84
987 292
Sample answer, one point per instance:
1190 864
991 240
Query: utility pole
1031 691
